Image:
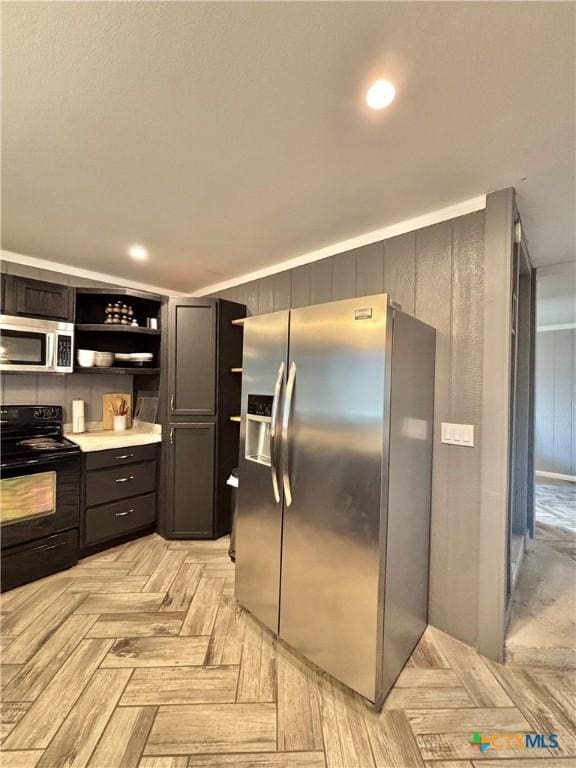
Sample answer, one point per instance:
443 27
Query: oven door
39 499
25 347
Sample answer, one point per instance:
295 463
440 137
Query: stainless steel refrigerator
335 475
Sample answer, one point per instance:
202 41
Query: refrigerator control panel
258 418
260 405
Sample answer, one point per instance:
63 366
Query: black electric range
39 493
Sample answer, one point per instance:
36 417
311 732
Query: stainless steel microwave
28 345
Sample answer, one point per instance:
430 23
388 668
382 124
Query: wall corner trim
495 451
400 228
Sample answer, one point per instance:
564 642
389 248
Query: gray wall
58 389
437 274
556 401
61 389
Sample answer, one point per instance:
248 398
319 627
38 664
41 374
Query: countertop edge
91 442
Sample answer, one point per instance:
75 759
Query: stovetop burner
35 449
33 434
43 444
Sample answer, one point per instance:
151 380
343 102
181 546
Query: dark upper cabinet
191 480
192 358
36 298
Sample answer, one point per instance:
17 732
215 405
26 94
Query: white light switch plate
457 434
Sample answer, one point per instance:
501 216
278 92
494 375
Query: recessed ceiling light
138 252
380 94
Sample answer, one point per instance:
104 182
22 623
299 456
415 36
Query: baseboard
556 476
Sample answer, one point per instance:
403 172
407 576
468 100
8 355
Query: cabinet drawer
112 520
104 485
120 456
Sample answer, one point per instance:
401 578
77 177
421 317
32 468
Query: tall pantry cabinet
200 401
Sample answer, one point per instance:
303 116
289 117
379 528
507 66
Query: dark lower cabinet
191 480
104 485
112 520
201 358
119 494
36 298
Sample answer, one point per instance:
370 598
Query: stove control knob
44 413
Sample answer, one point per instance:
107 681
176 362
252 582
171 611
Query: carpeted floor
543 625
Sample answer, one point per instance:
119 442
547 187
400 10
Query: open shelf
94 334
106 328
133 370
235 370
237 419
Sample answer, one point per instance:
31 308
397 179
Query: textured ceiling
230 136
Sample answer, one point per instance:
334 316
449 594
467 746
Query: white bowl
85 357
104 359
142 356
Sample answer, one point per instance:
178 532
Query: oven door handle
46 547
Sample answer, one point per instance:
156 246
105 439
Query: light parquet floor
139 658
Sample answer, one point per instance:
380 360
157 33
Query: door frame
501 220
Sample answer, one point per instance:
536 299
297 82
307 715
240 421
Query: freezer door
260 499
335 426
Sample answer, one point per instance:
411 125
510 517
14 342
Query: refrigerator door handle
273 431
286 419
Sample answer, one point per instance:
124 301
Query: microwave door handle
50 351
273 431
286 422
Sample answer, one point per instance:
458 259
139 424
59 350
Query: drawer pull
124 479
125 456
123 514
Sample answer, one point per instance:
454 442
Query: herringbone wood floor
140 657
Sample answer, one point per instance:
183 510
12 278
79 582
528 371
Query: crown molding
54 266
400 228
408 225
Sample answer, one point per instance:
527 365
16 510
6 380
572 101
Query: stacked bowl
104 359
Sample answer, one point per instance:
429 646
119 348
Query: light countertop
95 439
